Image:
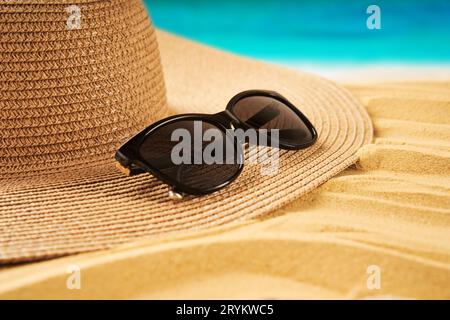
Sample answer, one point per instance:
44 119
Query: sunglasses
157 149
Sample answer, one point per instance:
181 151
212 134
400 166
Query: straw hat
69 96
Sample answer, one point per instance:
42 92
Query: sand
375 71
388 215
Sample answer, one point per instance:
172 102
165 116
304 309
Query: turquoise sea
412 31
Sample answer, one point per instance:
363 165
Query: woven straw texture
69 98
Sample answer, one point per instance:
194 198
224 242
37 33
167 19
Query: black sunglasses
262 111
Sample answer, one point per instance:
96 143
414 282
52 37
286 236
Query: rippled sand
391 211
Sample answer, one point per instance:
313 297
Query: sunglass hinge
123 169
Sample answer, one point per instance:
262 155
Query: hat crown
76 80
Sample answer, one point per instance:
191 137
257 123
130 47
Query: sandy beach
391 210
366 73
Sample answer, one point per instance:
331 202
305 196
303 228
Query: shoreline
373 72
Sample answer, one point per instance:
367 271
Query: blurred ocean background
317 32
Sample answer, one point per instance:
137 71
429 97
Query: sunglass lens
262 112
195 154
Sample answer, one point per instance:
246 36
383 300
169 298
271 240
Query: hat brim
90 208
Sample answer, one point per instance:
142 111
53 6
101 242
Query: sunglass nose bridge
228 119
